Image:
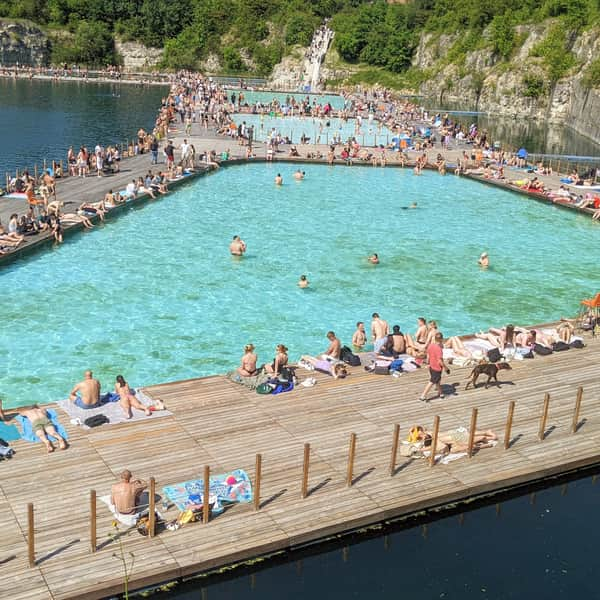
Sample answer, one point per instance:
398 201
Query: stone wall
23 43
137 57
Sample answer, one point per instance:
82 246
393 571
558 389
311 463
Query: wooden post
258 469
206 496
62 173
472 431
151 508
305 466
30 535
93 541
395 437
35 172
351 452
434 439
577 409
509 420
544 417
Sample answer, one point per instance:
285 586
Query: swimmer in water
303 282
484 260
374 260
413 205
279 179
237 246
298 175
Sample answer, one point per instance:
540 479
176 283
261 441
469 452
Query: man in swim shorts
379 331
86 394
237 246
125 495
359 338
42 427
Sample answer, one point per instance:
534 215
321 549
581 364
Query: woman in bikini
127 399
280 360
419 342
248 366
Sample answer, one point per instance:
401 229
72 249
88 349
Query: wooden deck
220 424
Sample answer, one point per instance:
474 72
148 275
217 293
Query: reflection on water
539 545
535 136
40 119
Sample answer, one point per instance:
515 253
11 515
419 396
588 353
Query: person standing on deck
379 331
435 355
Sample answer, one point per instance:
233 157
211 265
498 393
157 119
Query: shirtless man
41 426
237 246
484 260
379 332
334 346
298 175
374 259
278 179
89 390
399 341
359 338
125 495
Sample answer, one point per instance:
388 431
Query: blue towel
9 433
28 432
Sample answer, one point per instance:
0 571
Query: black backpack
560 346
96 420
347 356
542 350
494 355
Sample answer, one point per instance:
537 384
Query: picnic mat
228 487
9 433
111 409
27 433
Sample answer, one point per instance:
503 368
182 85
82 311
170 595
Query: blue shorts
79 402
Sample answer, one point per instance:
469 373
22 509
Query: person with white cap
484 260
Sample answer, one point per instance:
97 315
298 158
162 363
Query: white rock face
23 44
137 57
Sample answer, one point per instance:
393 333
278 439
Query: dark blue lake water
540 545
41 119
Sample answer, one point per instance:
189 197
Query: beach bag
96 421
396 365
409 450
381 367
542 350
494 355
264 388
5 450
283 386
529 354
347 356
287 374
560 346
577 344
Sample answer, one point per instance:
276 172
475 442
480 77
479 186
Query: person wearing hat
248 366
484 260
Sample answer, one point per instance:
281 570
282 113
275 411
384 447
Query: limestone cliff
136 56
519 87
22 43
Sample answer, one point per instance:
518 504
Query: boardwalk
223 425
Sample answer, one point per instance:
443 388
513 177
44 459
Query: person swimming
303 281
237 246
278 179
484 260
374 259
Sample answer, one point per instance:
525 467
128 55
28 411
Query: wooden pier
222 425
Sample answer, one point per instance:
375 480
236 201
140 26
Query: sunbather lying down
453 440
336 369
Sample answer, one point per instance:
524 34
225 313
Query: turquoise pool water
321 131
156 296
265 97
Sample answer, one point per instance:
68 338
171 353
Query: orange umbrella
592 302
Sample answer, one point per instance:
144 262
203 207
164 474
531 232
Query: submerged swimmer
413 205
374 260
237 246
298 175
484 260
278 179
303 282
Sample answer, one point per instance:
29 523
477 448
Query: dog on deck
485 368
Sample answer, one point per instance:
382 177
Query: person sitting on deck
125 495
94 208
334 368
335 346
280 360
86 393
249 360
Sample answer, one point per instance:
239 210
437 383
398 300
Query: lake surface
41 119
533 546
156 295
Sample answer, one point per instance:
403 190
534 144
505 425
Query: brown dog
489 369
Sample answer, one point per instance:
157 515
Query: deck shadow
514 440
403 466
548 431
363 475
317 487
580 424
272 498
54 553
8 559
